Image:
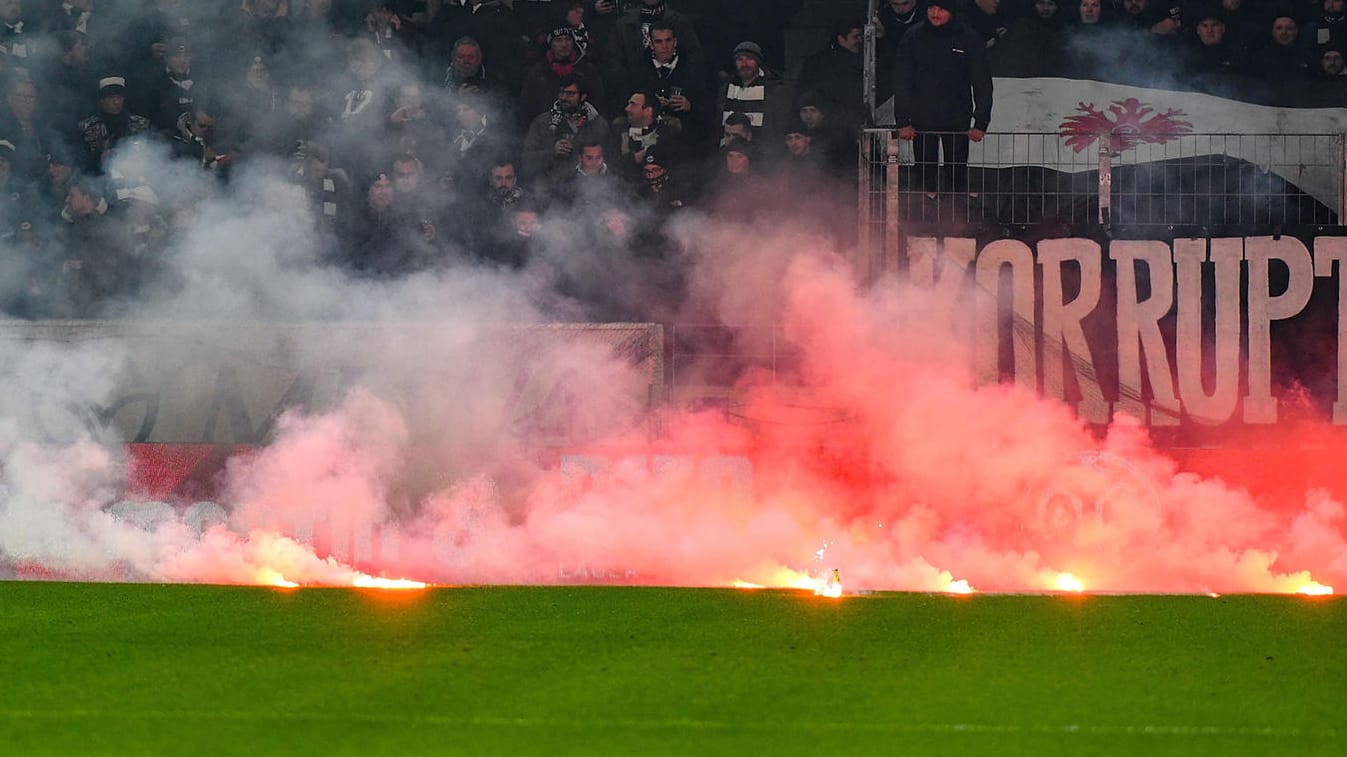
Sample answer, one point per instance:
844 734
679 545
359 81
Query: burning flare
1314 589
1068 582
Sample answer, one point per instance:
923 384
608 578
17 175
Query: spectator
1329 25
1088 47
75 15
1331 62
265 23
415 196
11 199
298 121
628 52
1212 53
799 159
1243 27
941 83
515 240
384 28
413 132
833 144
755 92
17 43
986 18
329 191
1281 58
173 90
97 266
494 197
677 81
20 125
896 18
662 186
1033 43
543 79
492 26
737 125
259 98
642 128
196 138
67 80
388 239
591 184
573 18
480 138
549 146
838 70
467 72
1164 18
365 96
134 201
102 131
52 188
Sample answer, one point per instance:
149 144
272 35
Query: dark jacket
627 51
839 73
941 79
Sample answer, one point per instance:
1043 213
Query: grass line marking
1063 729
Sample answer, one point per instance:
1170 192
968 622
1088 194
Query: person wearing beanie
112 123
756 92
942 96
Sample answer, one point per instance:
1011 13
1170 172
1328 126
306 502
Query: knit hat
111 85
950 5
560 31
749 48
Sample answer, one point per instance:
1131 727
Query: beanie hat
749 48
111 85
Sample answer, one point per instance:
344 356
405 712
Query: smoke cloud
466 440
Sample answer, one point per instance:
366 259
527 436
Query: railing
1112 183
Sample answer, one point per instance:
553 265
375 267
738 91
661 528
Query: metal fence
1113 183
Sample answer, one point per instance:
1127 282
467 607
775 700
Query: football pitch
169 669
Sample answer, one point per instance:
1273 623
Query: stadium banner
1079 110
202 386
1191 335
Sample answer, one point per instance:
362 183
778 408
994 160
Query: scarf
562 67
581 36
573 122
466 138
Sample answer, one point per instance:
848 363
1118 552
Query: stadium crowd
429 133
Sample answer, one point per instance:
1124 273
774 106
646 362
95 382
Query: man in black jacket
942 83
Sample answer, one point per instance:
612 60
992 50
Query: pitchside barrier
186 396
1114 183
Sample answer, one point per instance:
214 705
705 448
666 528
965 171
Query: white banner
1150 124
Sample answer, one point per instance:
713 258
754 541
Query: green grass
152 669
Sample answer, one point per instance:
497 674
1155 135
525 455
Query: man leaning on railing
942 82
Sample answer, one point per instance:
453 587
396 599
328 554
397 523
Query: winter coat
941 79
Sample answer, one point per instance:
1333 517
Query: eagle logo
1126 123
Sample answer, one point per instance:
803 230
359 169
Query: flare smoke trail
875 453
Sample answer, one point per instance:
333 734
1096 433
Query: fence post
890 200
864 210
1105 180
1342 178
868 74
